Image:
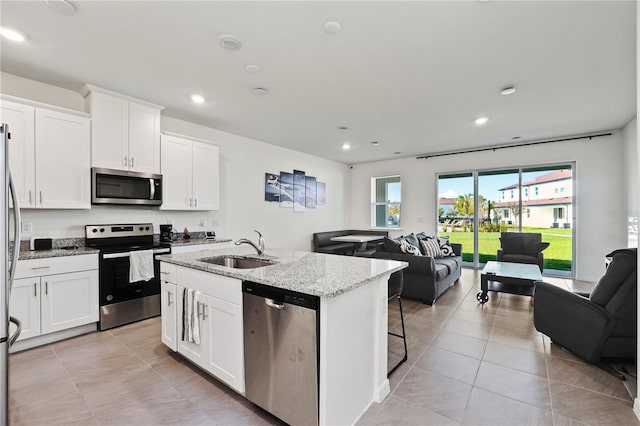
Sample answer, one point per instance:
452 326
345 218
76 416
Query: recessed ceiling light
509 90
375 143
480 121
13 35
230 42
252 68
346 146
260 91
197 99
62 7
331 27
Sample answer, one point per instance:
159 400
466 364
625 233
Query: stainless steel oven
121 300
110 186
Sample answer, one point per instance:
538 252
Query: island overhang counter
352 319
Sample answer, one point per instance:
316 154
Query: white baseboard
382 391
636 407
45 339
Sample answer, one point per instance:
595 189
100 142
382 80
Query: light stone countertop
197 241
317 274
43 254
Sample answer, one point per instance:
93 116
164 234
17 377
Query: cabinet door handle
40 267
40 197
198 313
29 197
168 298
46 288
190 202
204 311
132 160
35 289
195 202
124 161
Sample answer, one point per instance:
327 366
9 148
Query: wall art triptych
294 190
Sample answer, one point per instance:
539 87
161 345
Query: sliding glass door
475 207
456 211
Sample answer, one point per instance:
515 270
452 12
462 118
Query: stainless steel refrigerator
9 218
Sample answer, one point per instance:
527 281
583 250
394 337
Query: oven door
122 187
114 278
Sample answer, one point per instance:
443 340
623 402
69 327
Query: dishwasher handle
272 304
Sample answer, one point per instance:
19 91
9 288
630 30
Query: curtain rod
493 148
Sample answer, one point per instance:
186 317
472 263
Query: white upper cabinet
190 174
125 133
49 154
63 175
20 119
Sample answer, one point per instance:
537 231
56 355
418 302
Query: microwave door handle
153 189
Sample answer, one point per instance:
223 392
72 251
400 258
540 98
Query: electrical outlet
26 226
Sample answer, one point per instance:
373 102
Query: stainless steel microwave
110 186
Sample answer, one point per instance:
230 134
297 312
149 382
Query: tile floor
468 364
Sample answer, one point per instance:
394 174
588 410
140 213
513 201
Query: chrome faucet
259 248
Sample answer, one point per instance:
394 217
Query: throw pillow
511 245
533 248
391 245
408 248
421 236
411 239
431 247
445 247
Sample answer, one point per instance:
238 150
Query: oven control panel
120 230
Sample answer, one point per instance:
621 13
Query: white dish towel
191 317
140 265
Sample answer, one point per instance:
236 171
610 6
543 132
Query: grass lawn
556 256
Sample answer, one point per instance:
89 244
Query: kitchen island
352 320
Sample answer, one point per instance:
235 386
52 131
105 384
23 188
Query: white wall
243 163
601 220
630 175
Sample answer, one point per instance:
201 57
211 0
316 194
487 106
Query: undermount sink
237 262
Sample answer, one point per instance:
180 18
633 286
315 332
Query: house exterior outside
547 201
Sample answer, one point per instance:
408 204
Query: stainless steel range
123 300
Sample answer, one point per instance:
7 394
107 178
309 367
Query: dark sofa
426 278
322 241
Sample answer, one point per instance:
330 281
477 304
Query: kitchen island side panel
353 352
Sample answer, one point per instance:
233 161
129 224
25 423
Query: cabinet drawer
225 288
55 265
168 272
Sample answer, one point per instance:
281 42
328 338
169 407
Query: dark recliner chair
522 247
602 325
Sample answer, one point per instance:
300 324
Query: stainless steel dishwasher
281 352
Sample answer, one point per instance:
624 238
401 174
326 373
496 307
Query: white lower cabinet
25 306
224 337
219 316
56 294
68 300
168 303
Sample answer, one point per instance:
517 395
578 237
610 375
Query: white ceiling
411 75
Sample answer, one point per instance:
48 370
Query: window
556 191
526 192
562 189
512 194
385 198
536 190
